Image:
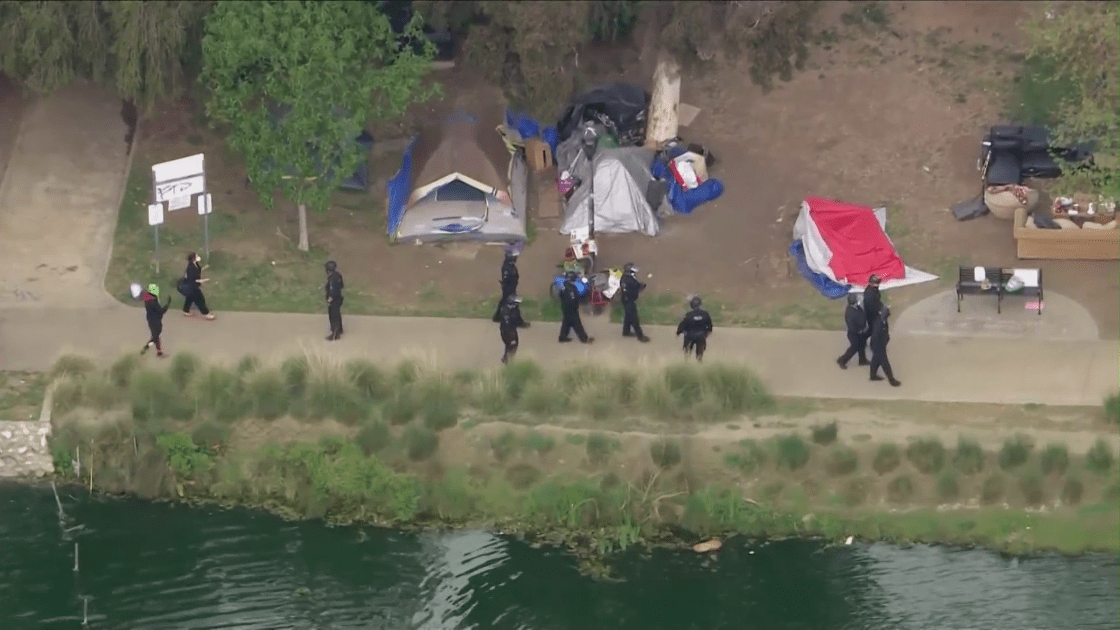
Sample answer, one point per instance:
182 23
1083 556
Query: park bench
994 282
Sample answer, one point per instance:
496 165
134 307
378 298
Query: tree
297 81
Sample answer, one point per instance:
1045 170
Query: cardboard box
1064 244
538 154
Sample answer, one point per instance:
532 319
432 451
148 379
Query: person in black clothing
190 285
696 326
856 321
872 301
509 321
153 312
333 292
569 309
880 337
509 280
631 288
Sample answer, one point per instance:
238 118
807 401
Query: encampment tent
457 182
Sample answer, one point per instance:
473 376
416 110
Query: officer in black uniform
880 337
333 290
696 326
856 321
872 301
509 321
569 308
631 288
510 278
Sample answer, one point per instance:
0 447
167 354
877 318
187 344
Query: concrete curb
122 190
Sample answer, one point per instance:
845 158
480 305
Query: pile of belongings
839 246
684 169
619 107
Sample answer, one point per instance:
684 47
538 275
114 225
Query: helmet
153 289
512 253
331 266
629 268
874 280
695 302
571 275
853 299
513 299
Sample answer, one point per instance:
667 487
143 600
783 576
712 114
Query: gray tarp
622 178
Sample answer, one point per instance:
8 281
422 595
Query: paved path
791 362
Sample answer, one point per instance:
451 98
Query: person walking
631 288
872 301
510 278
333 293
509 321
190 285
880 337
695 326
858 331
569 309
154 312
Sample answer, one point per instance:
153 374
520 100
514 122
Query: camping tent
845 244
622 182
457 182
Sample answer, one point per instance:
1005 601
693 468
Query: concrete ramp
59 200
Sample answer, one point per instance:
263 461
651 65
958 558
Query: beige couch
1064 244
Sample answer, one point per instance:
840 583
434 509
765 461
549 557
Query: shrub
792 451
736 388
1054 460
367 378
120 373
439 405
538 442
993 489
927 455
184 366
408 372
842 460
518 376
1099 458
420 442
1112 408
685 384
656 399
491 396
210 436
373 437
267 394
855 493
626 387
948 487
332 443
248 363
599 448
67 395
594 400
294 372
1015 452
62 454
183 455
542 399
218 393
401 407
825 434
1111 494
332 394
522 476
887 458
665 453
154 397
575 438
72 365
1072 490
98 392
900 489
504 445
752 458
969 458
1031 485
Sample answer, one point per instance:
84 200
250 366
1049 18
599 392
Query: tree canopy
296 82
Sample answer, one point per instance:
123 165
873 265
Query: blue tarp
685 201
528 128
399 188
827 286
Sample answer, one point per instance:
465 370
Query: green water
160 566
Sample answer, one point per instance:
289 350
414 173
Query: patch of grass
576 439
948 485
737 390
665 453
247 364
491 396
993 489
420 442
1112 409
67 395
184 366
1015 452
927 455
1099 458
72 365
792 451
331 393
656 397
369 380
155 397
542 399
750 459
825 434
969 458
900 489
595 400
1031 485
218 394
599 448
267 394
685 384
523 476
842 460
504 446
373 438
295 371
539 443
120 373
519 376
1037 97
211 436
1072 490
439 405
856 491
401 407
867 14
1054 459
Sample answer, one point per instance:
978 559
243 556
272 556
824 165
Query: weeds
842 460
218 394
420 442
439 405
1015 452
665 453
70 365
969 458
491 395
504 446
539 443
294 372
887 458
1099 458
267 394
401 408
993 489
1112 409
523 476
519 376
542 399
599 448
366 377
900 489
120 373
927 455
1054 460
184 366
1031 486
855 492
948 486
1072 490
373 438
750 460
825 434
792 451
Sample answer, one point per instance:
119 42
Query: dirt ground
889 110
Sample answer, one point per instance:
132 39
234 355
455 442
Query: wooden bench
996 279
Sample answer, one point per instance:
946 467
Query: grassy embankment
524 451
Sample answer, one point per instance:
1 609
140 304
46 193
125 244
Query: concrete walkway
791 362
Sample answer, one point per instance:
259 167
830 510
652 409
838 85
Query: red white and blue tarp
840 245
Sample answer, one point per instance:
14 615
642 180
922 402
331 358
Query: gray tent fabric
622 178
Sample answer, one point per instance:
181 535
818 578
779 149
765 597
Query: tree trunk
663 117
303 245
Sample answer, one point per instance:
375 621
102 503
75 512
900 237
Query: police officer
509 321
631 288
696 326
856 321
509 280
333 291
872 301
569 309
880 337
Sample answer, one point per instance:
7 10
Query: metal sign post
204 208
155 218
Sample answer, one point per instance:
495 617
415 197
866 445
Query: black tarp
620 107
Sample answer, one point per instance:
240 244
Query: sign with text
155 214
178 203
204 204
179 179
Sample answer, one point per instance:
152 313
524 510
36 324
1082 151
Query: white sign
155 214
204 204
180 188
180 178
178 203
179 169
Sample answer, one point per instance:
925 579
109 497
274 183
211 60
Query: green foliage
750 459
927 455
599 448
1112 409
267 394
504 445
70 365
1015 452
887 458
402 407
346 480
575 438
420 442
331 394
1099 458
211 436
62 454
120 373
154 398
67 395
1031 486
295 371
491 396
373 437
218 393
1054 460
183 455
855 492
736 389
792 451
1072 490
297 81
98 392
522 476
969 458
842 460
665 453
248 363
900 489
368 378
993 489
543 399
948 485
538 442
519 376
825 434
440 405
184 367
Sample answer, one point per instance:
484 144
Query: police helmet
512 253
629 268
695 302
571 275
513 299
874 280
853 299
331 266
